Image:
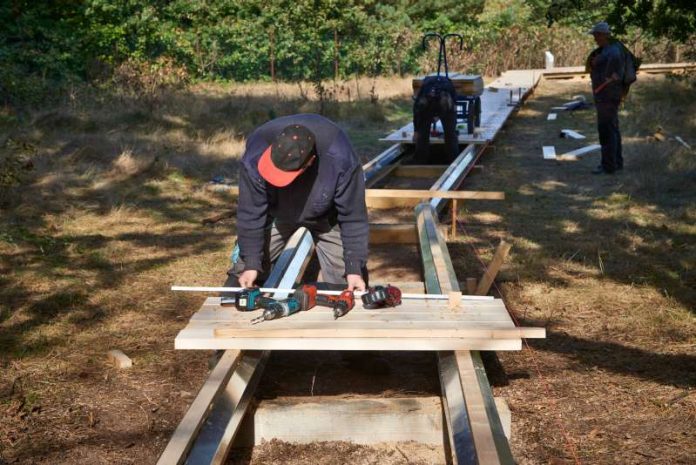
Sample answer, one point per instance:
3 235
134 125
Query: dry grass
108 215
607 264
102 209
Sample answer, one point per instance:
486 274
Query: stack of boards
464 84
475 324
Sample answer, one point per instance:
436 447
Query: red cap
273 174
289 155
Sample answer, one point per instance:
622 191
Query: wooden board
578 153
648 68
414 325
400 198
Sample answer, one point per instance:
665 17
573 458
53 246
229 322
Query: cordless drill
278 309
306 295
247 300
341 304
381 296
304 298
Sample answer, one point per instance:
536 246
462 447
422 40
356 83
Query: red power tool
381 296
306 295
341 304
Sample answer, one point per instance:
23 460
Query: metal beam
476 436
219 408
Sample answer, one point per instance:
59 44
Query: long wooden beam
475 431
647 68
428 194
399 198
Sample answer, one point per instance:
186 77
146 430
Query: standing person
436 98
297 171
606 65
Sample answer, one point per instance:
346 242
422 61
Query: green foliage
49 45
673 19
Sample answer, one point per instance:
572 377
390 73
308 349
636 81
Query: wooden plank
549 152
419 171
578 153
391 419
475 407
461 431
177 448
492 271
471 284
399 198
500 427
377 329
428 194
205 342
398 233
648 68
119 359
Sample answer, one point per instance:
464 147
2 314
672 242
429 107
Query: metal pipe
287 291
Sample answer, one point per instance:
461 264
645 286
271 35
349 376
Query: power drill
247 300
306 296
341 304
381 296
278 309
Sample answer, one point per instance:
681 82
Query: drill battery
381 296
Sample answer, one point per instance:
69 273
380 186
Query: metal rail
206 433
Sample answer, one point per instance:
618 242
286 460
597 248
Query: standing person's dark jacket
603 63
331 191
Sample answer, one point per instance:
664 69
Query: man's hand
247 278
355 282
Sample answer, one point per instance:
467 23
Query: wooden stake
455 300
454 219
119 359
492 271
471 285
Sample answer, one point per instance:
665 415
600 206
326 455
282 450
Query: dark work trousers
609 134
329 249
435 99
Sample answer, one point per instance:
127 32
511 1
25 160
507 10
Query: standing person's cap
601 27
288 156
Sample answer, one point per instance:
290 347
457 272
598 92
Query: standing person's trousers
328 244
609 134
425 109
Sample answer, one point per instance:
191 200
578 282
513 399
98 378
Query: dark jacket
603 62
331 191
